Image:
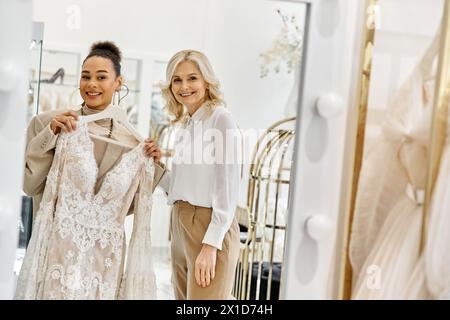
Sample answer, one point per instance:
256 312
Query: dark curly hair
108 50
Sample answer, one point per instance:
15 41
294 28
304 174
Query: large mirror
255 48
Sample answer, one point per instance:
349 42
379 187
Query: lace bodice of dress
83 254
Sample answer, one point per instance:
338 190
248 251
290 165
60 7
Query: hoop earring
126 94
72 94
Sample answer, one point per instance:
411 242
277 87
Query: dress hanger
117 114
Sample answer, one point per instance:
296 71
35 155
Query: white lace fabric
77 246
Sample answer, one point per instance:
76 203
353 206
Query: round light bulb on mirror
329 105
318 226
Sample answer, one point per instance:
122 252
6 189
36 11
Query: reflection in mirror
257 59
388 196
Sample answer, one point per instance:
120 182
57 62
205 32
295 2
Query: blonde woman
202 185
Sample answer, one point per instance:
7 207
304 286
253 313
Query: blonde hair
214 96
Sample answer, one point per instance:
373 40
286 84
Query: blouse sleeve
226 180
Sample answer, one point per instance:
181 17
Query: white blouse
205 168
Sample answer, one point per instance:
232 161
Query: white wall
145 26
238 31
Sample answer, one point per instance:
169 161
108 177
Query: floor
163 273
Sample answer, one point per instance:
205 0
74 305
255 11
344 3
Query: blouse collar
199 115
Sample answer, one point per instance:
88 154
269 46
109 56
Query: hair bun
107 46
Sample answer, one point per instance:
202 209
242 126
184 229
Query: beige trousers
189 224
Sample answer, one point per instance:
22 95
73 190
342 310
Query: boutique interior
343 106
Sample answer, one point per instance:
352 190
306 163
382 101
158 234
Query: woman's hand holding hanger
65 121
151 150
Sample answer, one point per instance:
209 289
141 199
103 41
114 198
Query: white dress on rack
394 258
77 248
386 233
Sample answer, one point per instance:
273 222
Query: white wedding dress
77 248
386 233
